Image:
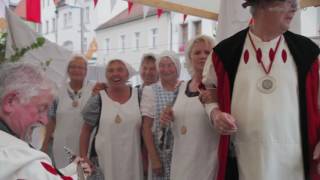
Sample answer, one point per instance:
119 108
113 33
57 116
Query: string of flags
31 9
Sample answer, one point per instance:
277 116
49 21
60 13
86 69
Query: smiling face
117 74
167 70
148 72
77 69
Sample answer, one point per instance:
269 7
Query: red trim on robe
224 101
52 170
312 85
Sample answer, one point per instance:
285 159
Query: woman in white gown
115 112
65 113
194 153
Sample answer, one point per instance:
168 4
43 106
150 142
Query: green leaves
18 52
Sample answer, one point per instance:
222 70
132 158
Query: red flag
159 12
33 11
130 4
95 2
184 17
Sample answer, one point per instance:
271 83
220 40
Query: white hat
174 58
130 69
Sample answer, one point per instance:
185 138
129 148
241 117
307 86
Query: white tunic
268 140
69 122
118 141
195 152
19 161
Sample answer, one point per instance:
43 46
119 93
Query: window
183 37
47 27
154 36
53 24
87 15
43 3
197 27
137 40
65 20
48 3
107 46
69 21
122 42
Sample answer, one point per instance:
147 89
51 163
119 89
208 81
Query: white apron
194 150
118 139
69 122
268 140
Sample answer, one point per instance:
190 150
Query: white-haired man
25 94
267 82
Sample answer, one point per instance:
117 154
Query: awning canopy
202 8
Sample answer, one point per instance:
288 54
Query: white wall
131 55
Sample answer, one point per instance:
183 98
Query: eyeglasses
285 6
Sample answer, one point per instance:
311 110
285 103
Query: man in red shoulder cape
267 112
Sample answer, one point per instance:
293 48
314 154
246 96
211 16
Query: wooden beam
179 8
307 3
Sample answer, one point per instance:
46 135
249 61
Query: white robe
194 153
118 143
19 161
69 122
268 140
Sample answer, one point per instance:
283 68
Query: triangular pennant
159 12
184 17
95 2
145 11
130 4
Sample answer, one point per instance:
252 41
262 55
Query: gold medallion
183 130
75 103
117 120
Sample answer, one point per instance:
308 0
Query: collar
4 127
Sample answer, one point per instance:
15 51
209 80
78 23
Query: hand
316 156
157 167
166 116
208 96
85 164
98 87
223 122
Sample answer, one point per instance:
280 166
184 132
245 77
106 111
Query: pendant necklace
267 83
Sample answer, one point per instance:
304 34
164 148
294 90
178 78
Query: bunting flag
145 11
130 4
33 11
159 12
184 17
95 2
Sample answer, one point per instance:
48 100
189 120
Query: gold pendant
75 103
183 130
118 119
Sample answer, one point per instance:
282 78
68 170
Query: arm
85 139
223 122
50 127
148 110
148 140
